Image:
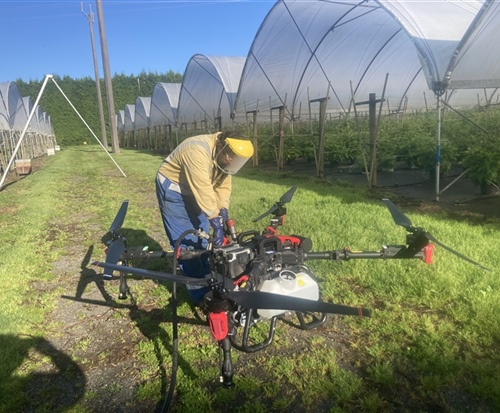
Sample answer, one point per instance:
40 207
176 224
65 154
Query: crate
23 166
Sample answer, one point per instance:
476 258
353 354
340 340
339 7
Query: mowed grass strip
435 328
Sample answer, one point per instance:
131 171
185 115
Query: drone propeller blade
288 195
430 237
398 217
115 250
265 214
119 218
404 221
269 301
285 198
162 276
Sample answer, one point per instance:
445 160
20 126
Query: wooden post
320 167
281 148
372 110
255 158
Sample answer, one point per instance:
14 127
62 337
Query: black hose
175 323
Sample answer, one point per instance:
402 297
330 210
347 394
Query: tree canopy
68 127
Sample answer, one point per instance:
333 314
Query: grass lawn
68 344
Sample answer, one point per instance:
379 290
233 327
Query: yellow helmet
234 155
241 147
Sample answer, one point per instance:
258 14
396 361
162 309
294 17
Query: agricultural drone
258 276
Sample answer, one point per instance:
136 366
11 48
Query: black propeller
119 218
285 199
269 301
402 220
162 276
116 245
248 299
398 217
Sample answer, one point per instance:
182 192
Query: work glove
217 224
224 213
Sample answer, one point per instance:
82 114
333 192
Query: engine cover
232 260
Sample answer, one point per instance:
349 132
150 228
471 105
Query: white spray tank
297 283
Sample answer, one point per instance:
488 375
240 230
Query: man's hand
217 224
224 213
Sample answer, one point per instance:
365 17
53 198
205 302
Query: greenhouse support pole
255 139
320 167
438 145
255 158
372 110
372 107
353 102
281 149
35 106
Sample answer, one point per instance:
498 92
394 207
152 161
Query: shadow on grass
148 321
59 387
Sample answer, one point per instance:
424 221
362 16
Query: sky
53 37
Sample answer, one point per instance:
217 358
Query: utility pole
107 79
90 18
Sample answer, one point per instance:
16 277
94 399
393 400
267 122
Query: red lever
428 251
218 325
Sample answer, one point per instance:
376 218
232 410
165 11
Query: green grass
435 328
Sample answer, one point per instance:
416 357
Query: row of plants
469 140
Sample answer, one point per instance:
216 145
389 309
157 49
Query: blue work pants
179 213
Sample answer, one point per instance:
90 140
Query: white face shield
234 154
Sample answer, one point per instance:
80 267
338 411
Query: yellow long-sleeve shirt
192 166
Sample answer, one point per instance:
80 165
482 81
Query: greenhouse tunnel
163 115
129 126
343 51
319 58
208 91
141 121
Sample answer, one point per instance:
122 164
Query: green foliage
469 139
482 159
68 127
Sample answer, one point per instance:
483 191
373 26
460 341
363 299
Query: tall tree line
68 127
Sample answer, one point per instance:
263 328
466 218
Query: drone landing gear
315 322
249 321
124 290
226 365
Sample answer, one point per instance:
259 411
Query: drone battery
297 282
234 260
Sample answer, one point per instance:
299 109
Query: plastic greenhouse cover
129 118
142 108
28 107
46 120
120 120
164 104
11 105
311 50
208 90
39 116
442 30
35 125
4 122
